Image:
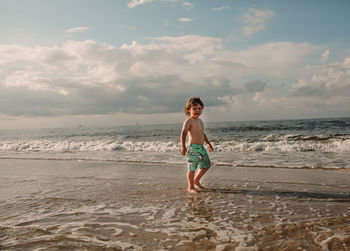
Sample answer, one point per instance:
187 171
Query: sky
115 62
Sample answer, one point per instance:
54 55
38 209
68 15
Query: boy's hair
192 102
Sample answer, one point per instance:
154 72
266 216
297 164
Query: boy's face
196 111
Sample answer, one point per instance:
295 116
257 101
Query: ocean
307 143
275 185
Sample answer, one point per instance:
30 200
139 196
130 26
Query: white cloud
327 82
88 77
93 78
187 5
134 3
185 19
325 56
78 29
255 20
276 60
221 8
10 53
322 91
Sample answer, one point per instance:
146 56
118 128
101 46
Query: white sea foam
86 146
324 243
332 145
169 214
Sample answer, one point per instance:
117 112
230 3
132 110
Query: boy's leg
190 179
199 176
203 166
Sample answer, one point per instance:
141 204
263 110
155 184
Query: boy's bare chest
197 127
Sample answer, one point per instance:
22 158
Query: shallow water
91 205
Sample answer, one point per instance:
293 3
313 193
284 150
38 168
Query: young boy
196 153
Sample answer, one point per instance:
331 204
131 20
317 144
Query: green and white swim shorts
197 156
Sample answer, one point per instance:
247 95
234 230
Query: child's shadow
330 197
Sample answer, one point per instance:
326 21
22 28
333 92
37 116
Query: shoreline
215 164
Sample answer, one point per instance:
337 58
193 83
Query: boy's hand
183 150
210 148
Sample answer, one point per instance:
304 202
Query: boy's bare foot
199 187
192 190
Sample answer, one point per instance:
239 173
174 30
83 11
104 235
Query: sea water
275 185
308 143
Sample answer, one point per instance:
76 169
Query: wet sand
60 205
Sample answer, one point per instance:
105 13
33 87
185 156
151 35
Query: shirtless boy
197 156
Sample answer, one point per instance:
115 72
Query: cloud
78 29
322 91
279 60
187 5
255 85
327 82
255 20
88 77
185 19
134 3
95 78
325 56
225 7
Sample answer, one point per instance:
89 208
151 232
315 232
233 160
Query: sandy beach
107 108
86 205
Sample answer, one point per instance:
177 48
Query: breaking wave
270 143
285 146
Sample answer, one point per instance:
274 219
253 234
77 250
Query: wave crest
269 144
86 146
284 146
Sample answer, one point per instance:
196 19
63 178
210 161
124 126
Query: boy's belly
197 139
197 142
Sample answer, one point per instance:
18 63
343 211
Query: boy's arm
185 129
206 140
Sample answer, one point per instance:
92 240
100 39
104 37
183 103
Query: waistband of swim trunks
196 145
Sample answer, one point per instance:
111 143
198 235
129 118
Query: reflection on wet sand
201 208
131 207
329 197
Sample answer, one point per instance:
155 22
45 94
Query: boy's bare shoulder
187 124
188 121
192 120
